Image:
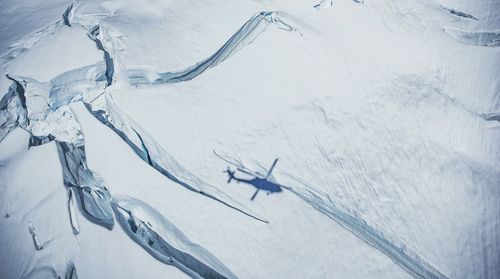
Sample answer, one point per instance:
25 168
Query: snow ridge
244 36
72 204
164 241
479 38
458 13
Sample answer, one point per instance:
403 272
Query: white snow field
122 122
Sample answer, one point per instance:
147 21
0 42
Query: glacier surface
384 115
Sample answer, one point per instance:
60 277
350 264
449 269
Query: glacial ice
458 13
39 140
101 105
491 116
164 241
72 205
324 4
47 113
36 241
12 110
83 83
108 60
479 38
50 118
94 196
244 36
66 15
71 271
41 108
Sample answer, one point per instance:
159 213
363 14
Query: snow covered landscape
250 139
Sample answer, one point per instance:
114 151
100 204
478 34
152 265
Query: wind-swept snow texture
384 115
372 234
394 248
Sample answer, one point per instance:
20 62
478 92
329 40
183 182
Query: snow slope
383 114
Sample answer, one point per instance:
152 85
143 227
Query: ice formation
165 241
377 111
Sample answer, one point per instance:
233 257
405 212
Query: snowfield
137 139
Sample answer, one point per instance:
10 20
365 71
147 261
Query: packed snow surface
136 135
